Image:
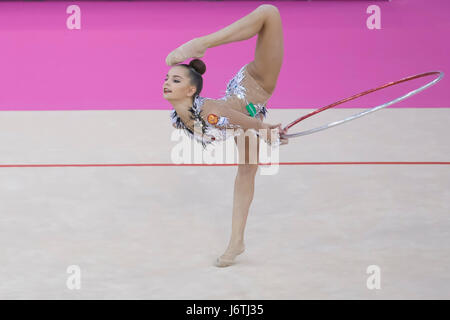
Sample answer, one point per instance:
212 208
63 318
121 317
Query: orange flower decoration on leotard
212 118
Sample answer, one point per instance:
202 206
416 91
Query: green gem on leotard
251 109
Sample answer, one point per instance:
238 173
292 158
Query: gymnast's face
177 84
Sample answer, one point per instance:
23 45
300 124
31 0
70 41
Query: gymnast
242 107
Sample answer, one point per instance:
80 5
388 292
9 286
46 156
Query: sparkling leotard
241 90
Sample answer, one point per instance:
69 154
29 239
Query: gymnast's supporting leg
244 187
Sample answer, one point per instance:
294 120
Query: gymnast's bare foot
227 259
194 48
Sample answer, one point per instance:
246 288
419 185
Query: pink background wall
116 60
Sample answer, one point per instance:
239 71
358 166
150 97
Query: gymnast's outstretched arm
230 118
227 117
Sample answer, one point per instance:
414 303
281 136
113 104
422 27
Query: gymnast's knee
245 169
270 9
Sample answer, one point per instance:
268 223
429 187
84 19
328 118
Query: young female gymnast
243 106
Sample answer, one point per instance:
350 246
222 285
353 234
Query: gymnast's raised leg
264 21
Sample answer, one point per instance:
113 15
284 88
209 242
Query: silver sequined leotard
241 90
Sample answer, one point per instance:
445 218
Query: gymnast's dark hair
196 68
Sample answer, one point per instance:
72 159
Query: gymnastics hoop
355 116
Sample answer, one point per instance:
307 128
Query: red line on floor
224 164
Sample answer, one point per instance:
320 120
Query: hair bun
198 65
